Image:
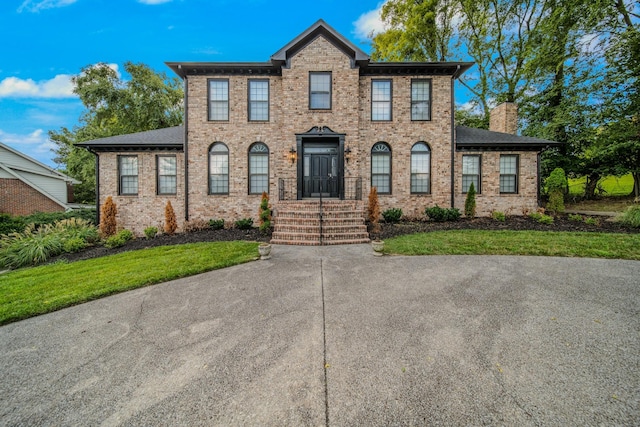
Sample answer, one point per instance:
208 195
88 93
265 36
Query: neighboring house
28 186
318 119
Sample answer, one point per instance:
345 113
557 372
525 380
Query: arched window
218 169
381 167
258 168
420 168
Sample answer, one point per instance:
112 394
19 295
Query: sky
46 42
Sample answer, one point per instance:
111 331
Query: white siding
56 188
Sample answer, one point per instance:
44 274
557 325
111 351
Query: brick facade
320 50
17 198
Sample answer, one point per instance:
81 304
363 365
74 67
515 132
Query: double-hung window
128 175
320 91
167 174
258 168
259 100
381 100
471 173
509 173
420 99
218 99
218 169
381 168
420 169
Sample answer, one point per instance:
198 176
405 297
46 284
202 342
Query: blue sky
48 41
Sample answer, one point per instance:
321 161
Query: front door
320 168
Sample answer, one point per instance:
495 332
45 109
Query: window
320 91
509 173
470 173
421 168
381 168
259 100
258 168
166 174
420 99
218 99
218 169
380 100
128 175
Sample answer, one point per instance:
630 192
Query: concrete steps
299 223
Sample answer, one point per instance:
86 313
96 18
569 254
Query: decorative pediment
320 131
320 28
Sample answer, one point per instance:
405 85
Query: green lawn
482 242
32 291
612 185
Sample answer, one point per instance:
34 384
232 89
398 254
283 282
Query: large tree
115 105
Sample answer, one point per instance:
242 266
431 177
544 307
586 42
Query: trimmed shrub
244 223
216 224
439 214
108 214
150 232
196 225
470 202
170 223
122 237
557 186
392 215
264 213
499 216
373 210
73 244
631 217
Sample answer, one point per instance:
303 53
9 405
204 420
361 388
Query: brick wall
17 198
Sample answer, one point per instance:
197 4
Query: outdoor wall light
347 154
292 155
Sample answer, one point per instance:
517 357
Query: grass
541 243
33 291
612 185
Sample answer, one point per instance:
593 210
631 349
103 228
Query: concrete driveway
335 336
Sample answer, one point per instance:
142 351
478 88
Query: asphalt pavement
335 336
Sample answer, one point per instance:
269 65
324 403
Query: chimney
504 118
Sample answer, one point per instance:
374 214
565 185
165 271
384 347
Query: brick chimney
504 118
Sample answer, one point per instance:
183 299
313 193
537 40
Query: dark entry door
321 175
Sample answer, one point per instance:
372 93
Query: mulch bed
561 223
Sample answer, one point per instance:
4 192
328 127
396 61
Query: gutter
186 147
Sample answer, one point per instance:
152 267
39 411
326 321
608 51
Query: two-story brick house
319 120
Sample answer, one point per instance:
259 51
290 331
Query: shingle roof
472 138
160 139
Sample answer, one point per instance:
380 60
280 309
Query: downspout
97 185
185 149
453 140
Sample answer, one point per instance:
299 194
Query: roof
281 59
39 168
159 139
481 139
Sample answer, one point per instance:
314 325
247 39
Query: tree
470 202
115 106
170 223
108 223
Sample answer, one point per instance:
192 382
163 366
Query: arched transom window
258 168
421 168
381 167
218 169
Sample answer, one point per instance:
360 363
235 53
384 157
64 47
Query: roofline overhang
184 69
506 146
454 69
104 148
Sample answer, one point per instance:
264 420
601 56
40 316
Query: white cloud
35 144
58 87
37 6
369 23
152 2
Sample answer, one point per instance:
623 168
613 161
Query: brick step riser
312 238
316 221
325 230
334 214
316 208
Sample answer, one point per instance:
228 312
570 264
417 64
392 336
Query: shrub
631 217
392 215
264 213
592 221
244 223
119 239
499 216
196 225
556 186
439 214
541 218
74 244
575 217
108 218
373 210
216 224
170 223
11 224
150 232
470 202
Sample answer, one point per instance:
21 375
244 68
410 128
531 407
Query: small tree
470 202
108 213
264 213
373 211
556 187
170 223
